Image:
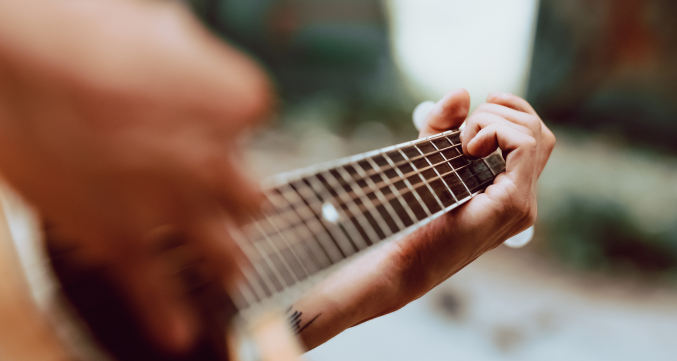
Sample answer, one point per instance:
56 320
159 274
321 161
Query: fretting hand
391 276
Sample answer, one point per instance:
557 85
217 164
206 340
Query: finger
548 142
510 101
508 108
519 149
209 229
448 113
515 116
214 177
482 120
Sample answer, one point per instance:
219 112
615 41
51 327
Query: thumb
448 113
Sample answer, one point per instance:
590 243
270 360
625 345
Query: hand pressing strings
389 277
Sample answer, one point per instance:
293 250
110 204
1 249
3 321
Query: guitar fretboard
320 216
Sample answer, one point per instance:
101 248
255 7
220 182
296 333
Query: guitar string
400 173
337 235
452 168
271 265
355 233
394 191
442 175
312 225
299 240
350 232
418 171
364 222
411 191
418 187
430 188
382 223
366 208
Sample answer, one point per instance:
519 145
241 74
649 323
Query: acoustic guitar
314 221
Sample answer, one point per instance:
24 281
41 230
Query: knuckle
550 139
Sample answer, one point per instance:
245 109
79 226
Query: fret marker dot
329 213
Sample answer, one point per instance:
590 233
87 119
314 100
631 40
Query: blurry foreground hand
118 121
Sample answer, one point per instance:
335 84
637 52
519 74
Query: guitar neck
320 216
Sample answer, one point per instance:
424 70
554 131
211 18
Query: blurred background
599 281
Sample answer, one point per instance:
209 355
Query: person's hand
118 122
390 277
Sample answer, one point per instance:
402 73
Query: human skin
389 277
118 122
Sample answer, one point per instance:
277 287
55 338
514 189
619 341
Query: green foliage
601 235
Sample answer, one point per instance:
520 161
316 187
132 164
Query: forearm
382 281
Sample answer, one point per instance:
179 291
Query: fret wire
291 250
472 171
393 196
394 190
439 201
408 184
454 169
315 226
310 259
294 229
330 228
437 172
487 164
365 200
381 197
239 239
316 242
268 260
355 233
324 196
371 233
411 161
419 172
424 155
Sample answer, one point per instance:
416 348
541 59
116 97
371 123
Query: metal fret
298 275
354 208
295 230
407 222
438 173
380 196
314 201
268 260
315 226
350 232
353 212
420 202
454 169
255 277
425 181
375 214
